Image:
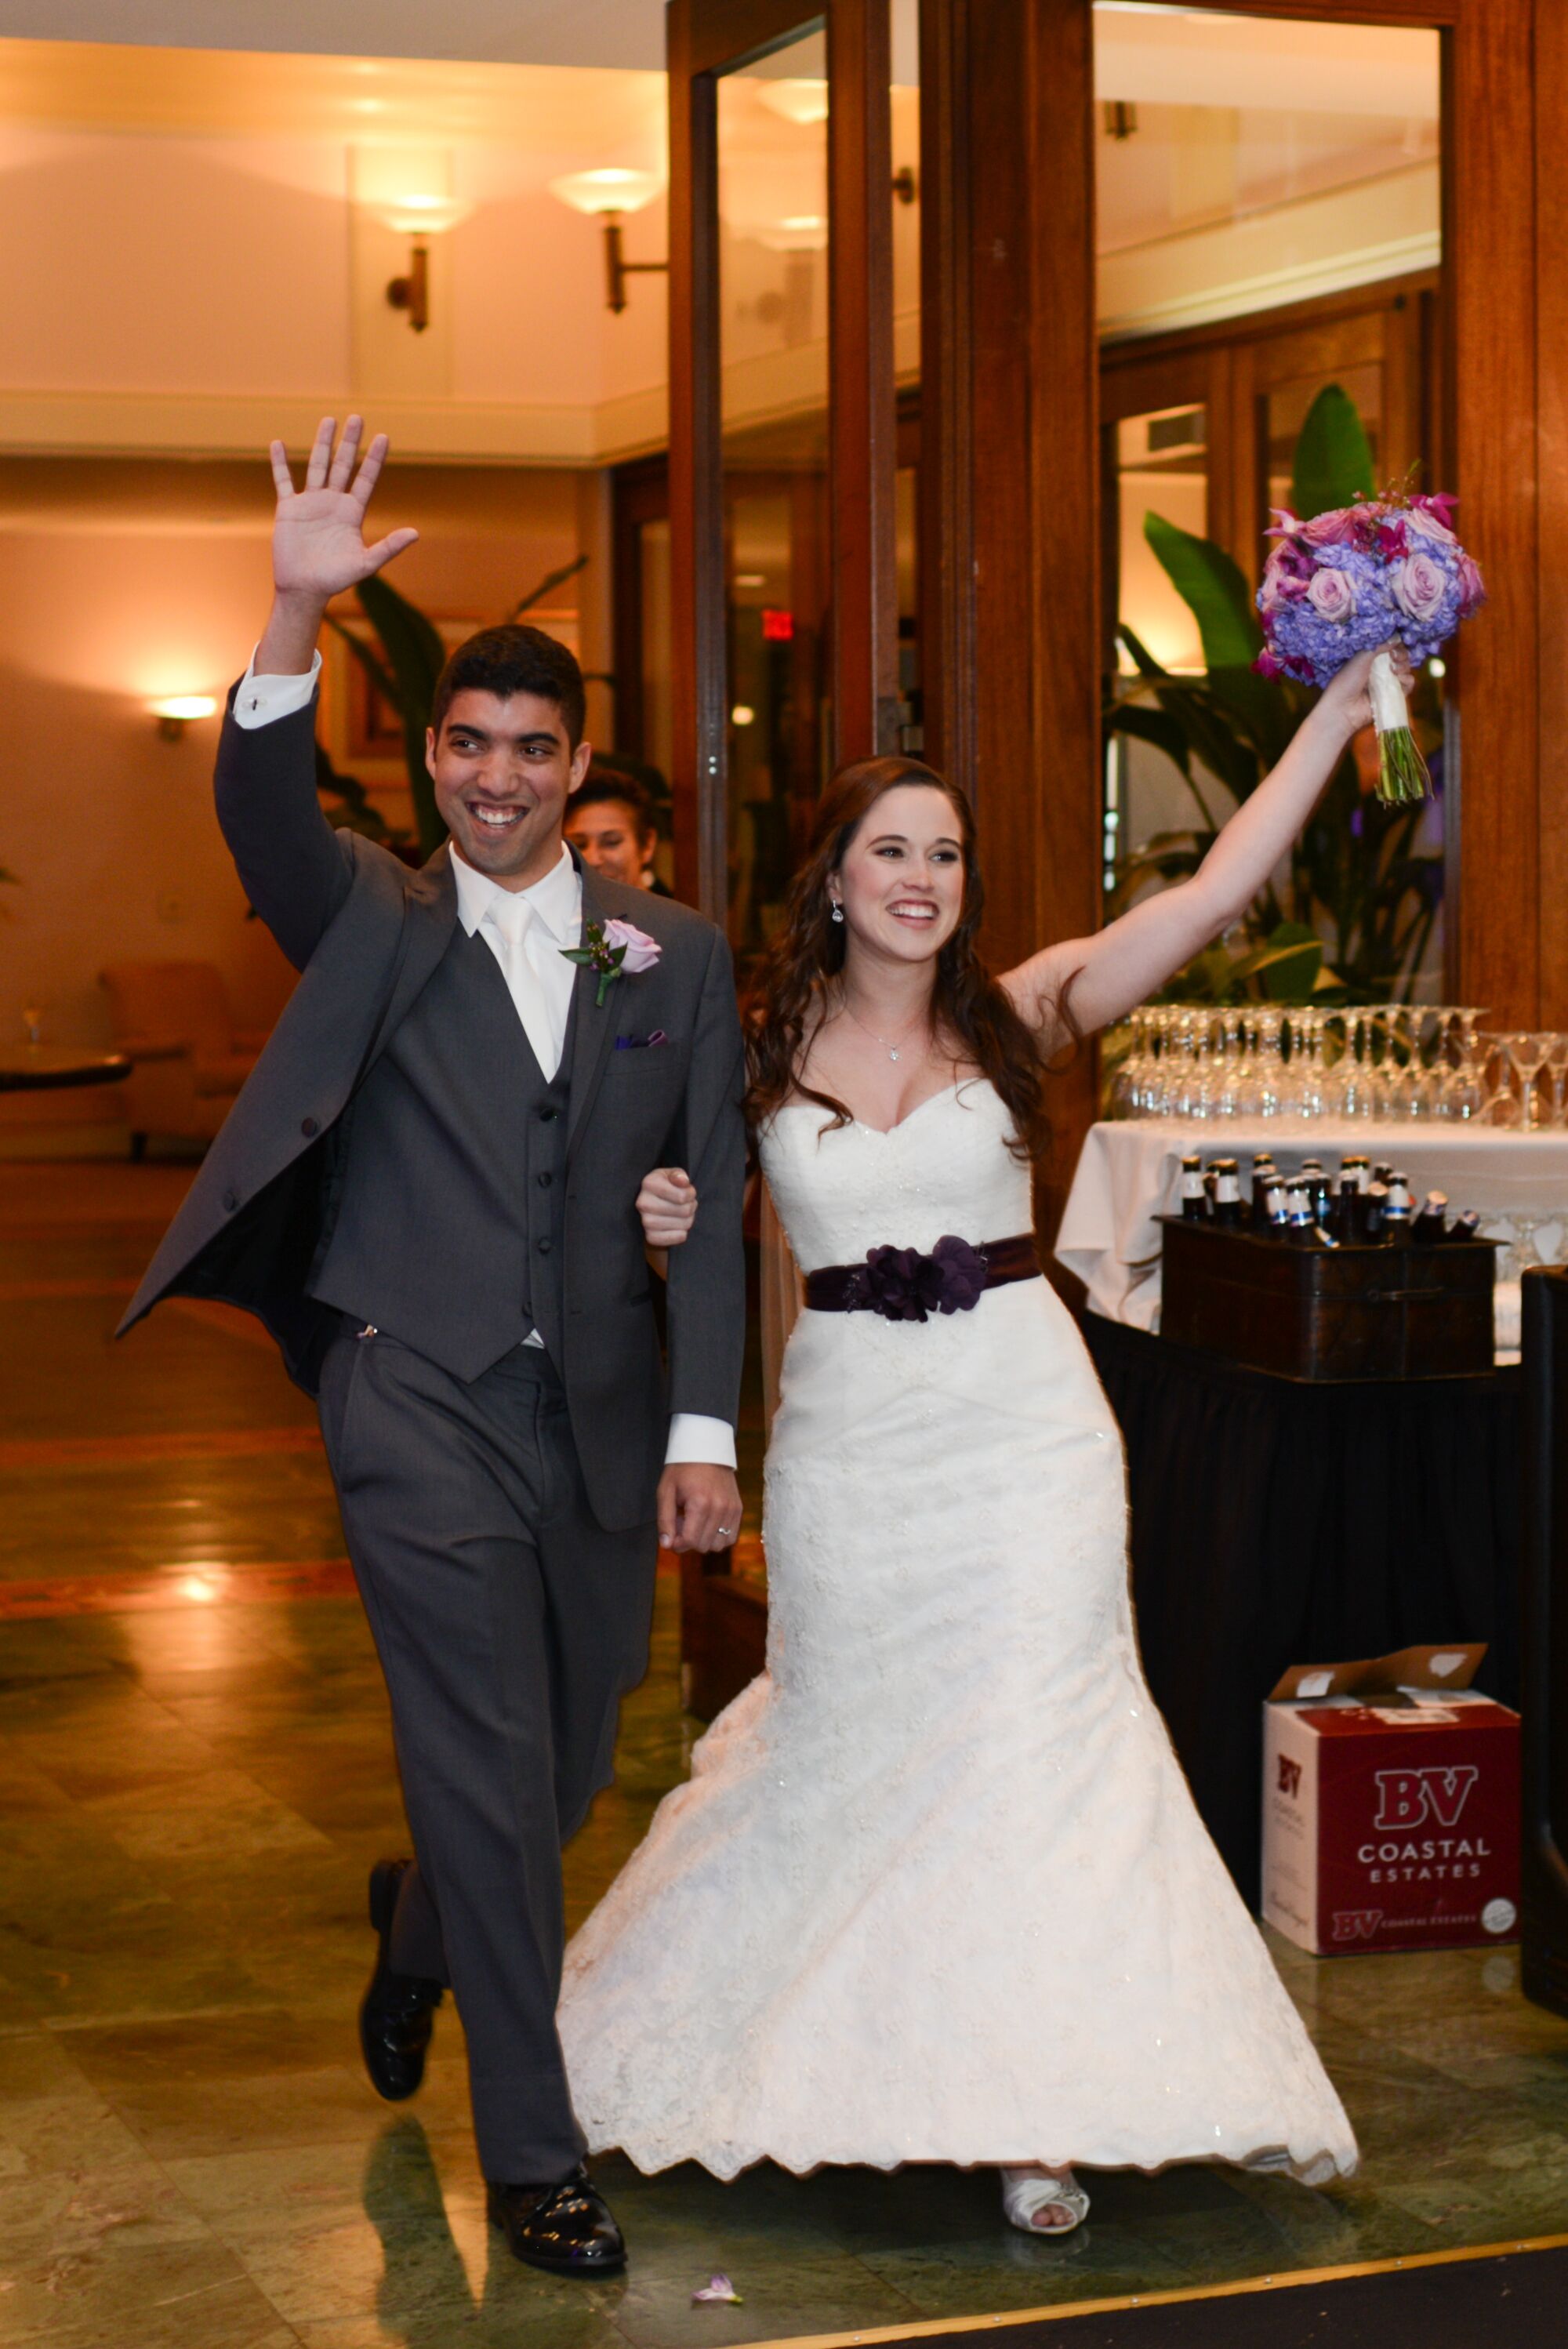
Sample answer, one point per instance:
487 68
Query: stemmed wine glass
1502 1104
1527 1051
1304 1093
1469 1095
1557 1063
1268 1027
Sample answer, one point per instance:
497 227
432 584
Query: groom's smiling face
504 771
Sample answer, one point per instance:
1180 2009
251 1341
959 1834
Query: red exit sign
778 627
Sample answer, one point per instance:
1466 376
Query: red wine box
1391 1806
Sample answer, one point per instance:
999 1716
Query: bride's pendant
892 1053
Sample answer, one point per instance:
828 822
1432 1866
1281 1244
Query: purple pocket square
640 1043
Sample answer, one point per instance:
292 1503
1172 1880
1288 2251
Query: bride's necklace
893 1048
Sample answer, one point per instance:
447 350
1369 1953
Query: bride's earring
838 912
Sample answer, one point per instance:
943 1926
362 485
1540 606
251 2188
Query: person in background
612 826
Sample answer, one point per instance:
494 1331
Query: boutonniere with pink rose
611 948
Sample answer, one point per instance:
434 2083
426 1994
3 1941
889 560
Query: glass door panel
773 299
1268 223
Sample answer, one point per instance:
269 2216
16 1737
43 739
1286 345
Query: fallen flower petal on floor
718 2287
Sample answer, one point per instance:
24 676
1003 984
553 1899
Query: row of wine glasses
1404 1062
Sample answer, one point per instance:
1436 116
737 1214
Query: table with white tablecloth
1130 1173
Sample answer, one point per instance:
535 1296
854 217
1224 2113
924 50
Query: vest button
545 1247
546 1116
545 1181
231 1201
309 1128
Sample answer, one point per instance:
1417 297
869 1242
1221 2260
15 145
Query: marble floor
195 1773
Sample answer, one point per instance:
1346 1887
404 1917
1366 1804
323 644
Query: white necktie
523 943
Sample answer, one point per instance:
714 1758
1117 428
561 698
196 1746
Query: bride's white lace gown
937 1889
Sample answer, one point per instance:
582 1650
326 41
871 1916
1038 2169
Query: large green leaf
1333 456
1143 659
1211 586
1156 727
415 657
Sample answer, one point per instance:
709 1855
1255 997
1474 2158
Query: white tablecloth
1131 1173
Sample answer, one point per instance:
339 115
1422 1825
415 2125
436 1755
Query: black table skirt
1277 1524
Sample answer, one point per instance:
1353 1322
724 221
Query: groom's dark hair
513 659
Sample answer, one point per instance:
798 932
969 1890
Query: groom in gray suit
427 1189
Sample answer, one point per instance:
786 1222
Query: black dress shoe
395 2013
566 2229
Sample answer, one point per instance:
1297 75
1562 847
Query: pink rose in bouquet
1419 586
1333 595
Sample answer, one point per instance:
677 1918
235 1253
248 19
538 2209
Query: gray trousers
509 1625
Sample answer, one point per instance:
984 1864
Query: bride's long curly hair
970 1013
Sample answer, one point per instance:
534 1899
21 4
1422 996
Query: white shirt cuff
696 1438
261 700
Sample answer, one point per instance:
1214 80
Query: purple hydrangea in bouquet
1381 571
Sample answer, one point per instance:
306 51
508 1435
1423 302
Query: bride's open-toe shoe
1044 2201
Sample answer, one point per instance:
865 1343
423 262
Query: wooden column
1551 746
1489 262
1009 463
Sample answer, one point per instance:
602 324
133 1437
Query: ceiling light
801 102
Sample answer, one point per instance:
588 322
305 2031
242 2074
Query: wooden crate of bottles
1387 1311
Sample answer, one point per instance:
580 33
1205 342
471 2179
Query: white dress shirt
527 931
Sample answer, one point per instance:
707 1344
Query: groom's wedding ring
726 1532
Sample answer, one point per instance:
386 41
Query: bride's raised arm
1125 963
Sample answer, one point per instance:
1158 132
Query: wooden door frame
704 39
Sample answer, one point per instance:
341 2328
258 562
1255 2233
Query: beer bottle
1227 1193
1275 1209
1465 1227
1260 1174
1401 1198
1300 1221
1375 1211
1398 1221
1428 1226
1195 1198
1354 1172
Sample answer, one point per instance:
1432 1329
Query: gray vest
447 1227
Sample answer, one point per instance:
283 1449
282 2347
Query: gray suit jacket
366 933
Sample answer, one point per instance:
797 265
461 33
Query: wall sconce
420 217
175 713
607 195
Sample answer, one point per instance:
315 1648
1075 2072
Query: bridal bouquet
1364 575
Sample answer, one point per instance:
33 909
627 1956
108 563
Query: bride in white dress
937 1889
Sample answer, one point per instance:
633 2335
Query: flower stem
1402 776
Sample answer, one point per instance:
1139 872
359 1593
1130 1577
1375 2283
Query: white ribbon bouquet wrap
1356 579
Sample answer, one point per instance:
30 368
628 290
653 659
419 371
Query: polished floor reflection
195 1773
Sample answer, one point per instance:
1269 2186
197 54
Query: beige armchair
188 1058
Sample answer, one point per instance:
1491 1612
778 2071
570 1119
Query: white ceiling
627 33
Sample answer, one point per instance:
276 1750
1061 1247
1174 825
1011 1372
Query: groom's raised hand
699 1505
319 547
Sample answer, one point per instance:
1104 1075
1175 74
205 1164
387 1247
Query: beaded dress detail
937 1889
